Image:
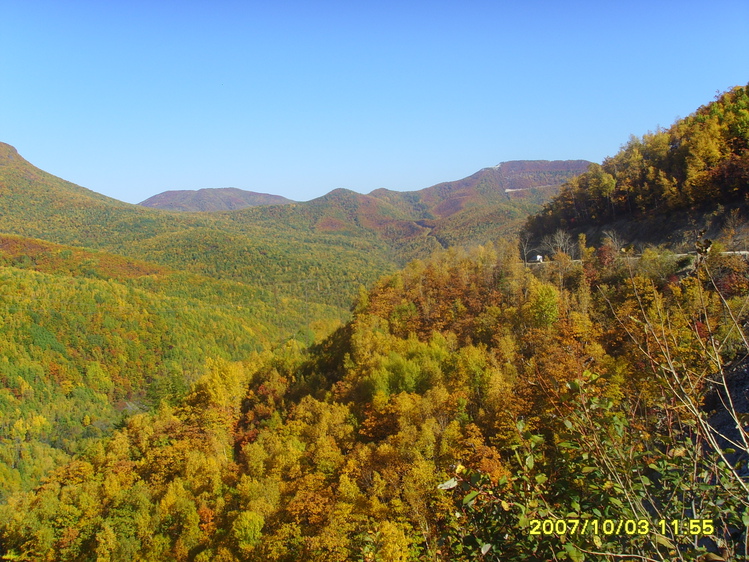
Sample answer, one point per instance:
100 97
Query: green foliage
638 489
247 528
543 305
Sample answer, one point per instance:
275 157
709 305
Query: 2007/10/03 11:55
620 526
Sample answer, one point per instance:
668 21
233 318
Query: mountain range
337 241
505 178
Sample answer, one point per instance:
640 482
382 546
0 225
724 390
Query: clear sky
294 98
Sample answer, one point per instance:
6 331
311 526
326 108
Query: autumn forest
387 377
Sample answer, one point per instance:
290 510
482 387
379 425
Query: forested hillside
89 338
469 397
323 269
696 172
92 337
489 185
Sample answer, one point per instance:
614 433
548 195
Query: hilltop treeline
701 160
468 396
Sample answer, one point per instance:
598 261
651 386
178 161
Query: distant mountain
481 207
507 180
335 242
270 256
211 199
489 185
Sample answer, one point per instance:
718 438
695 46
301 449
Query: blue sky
298 98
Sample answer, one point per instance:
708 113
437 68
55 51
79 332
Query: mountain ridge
505 177
211 199
13 166
340 240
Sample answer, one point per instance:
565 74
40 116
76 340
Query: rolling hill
490 203
489 185
319 251
211 199
38 205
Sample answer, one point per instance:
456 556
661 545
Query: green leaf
660 539
541 478
536 439
529 462
591 376
470 497
574 553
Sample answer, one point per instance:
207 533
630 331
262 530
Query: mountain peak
211 199
8 154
